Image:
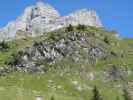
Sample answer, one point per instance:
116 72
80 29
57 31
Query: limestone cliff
40 18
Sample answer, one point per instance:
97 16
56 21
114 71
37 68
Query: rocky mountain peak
42 17
86 17
39 10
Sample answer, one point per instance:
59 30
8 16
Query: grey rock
116 72
40 53
95 52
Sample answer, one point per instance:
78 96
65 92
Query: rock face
73 46
41 18
30 21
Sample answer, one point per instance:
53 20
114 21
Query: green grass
27 87
22 86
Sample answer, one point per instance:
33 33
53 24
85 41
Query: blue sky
115 14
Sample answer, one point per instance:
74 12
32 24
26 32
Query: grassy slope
28 86
20 86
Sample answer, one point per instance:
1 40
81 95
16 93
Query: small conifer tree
96 94
52 98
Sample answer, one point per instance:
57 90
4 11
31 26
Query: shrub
81 27
15 59
4 46
106 40
69 28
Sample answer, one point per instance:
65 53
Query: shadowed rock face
41 18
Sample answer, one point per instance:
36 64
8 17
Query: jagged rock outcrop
73 46
30 21
41 18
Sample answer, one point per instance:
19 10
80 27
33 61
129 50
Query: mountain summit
41 17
